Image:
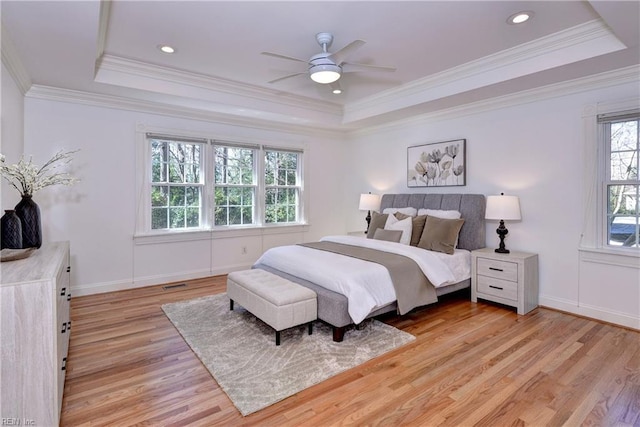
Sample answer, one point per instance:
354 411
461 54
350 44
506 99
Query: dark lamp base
502 231
368 218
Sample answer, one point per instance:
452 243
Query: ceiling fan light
325 73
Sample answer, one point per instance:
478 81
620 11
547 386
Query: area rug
239 350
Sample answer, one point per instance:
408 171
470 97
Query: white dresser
34 335
510 279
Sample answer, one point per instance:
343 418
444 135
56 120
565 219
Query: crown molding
153 107
124 66
617 77
103 26
12 62
611 78
546 52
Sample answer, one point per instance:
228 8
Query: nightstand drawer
497 287
503 270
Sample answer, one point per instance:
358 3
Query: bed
315 265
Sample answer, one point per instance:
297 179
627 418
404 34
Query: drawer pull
495 269
496 287
68 269
69 296
63 291
64 363
64 328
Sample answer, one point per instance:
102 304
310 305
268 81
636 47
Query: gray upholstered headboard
471 206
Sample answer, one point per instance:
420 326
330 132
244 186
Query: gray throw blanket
412 287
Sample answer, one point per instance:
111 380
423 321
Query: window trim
299 186
143 234
592 243
604 124
255 185
201 184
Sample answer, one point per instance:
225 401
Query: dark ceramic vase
29 214
11 229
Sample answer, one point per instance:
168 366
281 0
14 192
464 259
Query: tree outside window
282 186
197 183
235 185
176 188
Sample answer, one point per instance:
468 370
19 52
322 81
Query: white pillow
407 211
439 213
404 225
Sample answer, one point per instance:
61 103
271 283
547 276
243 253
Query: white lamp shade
369 202
503 208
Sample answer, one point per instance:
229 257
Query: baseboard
100 288
140 282
597 313
168 278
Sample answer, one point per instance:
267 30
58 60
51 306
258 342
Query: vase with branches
28 178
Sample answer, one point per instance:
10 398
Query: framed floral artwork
442 164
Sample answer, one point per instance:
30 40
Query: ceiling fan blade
340 56
372 67
286 77
290 58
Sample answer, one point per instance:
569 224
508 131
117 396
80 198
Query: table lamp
503 208
369 202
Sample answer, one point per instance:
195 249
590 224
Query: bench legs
278 333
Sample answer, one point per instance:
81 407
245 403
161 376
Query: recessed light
337 91
520 17
165 48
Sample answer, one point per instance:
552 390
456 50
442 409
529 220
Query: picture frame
440 164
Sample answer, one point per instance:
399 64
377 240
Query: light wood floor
472 364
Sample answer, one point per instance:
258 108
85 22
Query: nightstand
510 279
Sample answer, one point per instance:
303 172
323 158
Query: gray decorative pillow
377 221
388 235
417 226
440 234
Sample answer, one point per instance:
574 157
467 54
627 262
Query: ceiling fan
325 67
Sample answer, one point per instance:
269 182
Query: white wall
12 136
98 214
535 151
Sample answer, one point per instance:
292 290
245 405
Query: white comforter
367 285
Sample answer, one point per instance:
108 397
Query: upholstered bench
276 301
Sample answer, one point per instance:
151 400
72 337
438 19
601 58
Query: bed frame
332 306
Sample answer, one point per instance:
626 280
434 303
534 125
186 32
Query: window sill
619 257
216 233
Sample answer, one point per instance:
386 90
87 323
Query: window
196 184
621 184
235 185
282 186
176 186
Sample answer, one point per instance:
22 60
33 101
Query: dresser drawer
503 270
497 287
